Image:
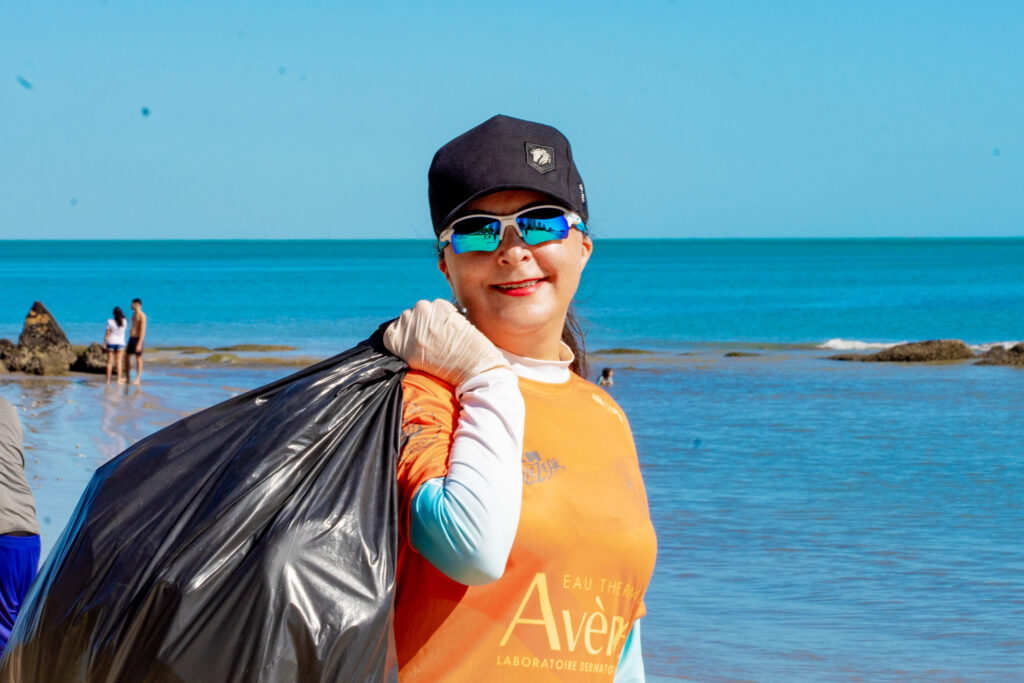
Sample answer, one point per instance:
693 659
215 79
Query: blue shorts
115 347
19 561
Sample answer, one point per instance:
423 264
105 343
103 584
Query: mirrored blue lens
543 225
475 233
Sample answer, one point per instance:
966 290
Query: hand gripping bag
253 541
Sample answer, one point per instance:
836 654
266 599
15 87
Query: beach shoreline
746 459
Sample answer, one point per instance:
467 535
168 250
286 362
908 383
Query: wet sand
75 423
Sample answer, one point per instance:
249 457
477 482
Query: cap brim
460 209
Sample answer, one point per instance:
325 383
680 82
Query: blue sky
318 120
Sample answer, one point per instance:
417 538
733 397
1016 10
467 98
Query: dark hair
572 335
137 301
606 372
119 316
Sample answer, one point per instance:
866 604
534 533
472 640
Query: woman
526 544
113 341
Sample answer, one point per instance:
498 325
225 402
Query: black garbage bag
253 541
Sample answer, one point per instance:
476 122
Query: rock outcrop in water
1000 356
916 352
93 359
7 348
42 348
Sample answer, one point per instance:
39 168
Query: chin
518 323
526 311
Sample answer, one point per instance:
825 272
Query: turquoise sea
817 520
660 294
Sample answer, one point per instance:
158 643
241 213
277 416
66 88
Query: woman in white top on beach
113 342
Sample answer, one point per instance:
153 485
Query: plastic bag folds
253 541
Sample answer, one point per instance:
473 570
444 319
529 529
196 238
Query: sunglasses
535 225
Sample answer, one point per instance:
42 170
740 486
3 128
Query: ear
442 265
586 248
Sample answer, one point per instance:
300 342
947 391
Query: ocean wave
982 348
856 345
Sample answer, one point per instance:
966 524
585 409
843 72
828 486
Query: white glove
434 337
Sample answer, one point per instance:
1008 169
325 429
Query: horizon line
426 239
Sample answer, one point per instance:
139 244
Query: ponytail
572 336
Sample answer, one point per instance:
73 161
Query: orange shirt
581 562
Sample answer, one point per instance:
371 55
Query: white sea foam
856 345
982 348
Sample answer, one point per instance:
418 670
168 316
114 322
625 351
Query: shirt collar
548 371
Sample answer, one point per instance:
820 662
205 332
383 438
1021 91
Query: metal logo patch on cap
540 158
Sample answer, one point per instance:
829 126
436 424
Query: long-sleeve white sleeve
465 522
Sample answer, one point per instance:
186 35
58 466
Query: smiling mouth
520 288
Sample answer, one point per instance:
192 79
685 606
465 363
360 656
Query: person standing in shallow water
525 542
136 340
605 380
113 342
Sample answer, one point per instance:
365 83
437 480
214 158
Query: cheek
461 273
571 279
569 268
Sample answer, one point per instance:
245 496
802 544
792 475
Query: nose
512 249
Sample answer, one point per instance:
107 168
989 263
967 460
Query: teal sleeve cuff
631 663
448 535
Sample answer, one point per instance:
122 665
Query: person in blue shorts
113 342
19 530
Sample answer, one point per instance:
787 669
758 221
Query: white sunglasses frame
572 218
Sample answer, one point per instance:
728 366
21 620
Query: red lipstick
519 287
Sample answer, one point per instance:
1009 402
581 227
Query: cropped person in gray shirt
19 531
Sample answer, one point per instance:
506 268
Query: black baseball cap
503 153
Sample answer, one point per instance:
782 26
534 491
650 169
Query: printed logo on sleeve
608 407
537 469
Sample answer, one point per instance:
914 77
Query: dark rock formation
851 356
927 351
42 347
917 352
1000 356
93 359
740 354
223 358
6 353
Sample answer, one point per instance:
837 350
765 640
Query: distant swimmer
605 380
136 339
